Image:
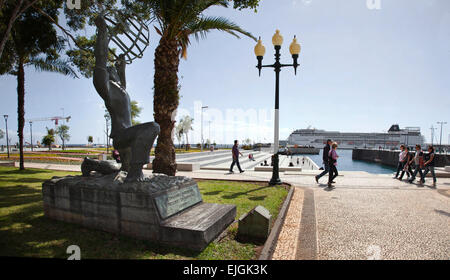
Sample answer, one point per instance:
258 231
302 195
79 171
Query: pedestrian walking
407 165
429 165
326 165
235 153
332 160
418 162
402 157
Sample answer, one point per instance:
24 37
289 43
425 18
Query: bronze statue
133 142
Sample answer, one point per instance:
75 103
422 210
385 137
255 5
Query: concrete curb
307 245
271 242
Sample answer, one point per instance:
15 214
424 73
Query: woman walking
333 156
402 157
409 159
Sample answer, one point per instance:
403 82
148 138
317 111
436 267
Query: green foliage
2 134
84 58
49 139
32 36
245 4
63 133
178 20
135 112
90 139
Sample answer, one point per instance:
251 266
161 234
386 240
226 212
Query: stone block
139 230
255 225
62 191
139 215
447 168
62 203
167 210
187 166
48 200
137 200
196 227
102 223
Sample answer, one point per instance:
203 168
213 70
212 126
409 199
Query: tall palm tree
178 21
34 42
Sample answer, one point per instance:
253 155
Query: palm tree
34 42
178 133
178 21
63 133
49 139
186 126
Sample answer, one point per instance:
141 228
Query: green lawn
24 231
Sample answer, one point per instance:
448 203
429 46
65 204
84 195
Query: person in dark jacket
418 163
332 161
235 152
326 166
429 165
407 166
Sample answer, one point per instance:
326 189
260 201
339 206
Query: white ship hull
391 140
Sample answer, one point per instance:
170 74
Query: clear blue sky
361 71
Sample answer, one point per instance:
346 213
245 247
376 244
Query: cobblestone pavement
286 247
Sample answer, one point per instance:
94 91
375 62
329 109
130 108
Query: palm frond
53 65
201 27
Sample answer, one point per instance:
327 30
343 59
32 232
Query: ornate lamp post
7 138
294 48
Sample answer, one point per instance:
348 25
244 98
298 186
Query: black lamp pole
31 134
277 67
7 139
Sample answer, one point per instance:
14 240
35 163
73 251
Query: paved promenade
366 216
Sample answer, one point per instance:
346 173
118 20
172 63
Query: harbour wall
391 157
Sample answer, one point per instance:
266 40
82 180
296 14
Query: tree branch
28 4
67 33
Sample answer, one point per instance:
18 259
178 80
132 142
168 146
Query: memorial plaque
176 201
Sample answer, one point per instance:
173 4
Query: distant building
392 139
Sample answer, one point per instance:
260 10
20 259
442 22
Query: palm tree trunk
21 109
165 102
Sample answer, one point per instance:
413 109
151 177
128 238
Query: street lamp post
31 134
260 50
201 127
440 140
7 138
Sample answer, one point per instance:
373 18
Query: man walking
235 152
326 165
429 165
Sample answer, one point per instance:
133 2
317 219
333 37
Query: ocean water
346 163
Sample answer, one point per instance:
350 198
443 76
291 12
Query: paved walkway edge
307 246
271 242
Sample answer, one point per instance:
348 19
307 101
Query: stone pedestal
165 209
255 225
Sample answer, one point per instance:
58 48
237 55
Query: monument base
165 209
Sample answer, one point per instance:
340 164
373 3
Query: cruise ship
348 140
